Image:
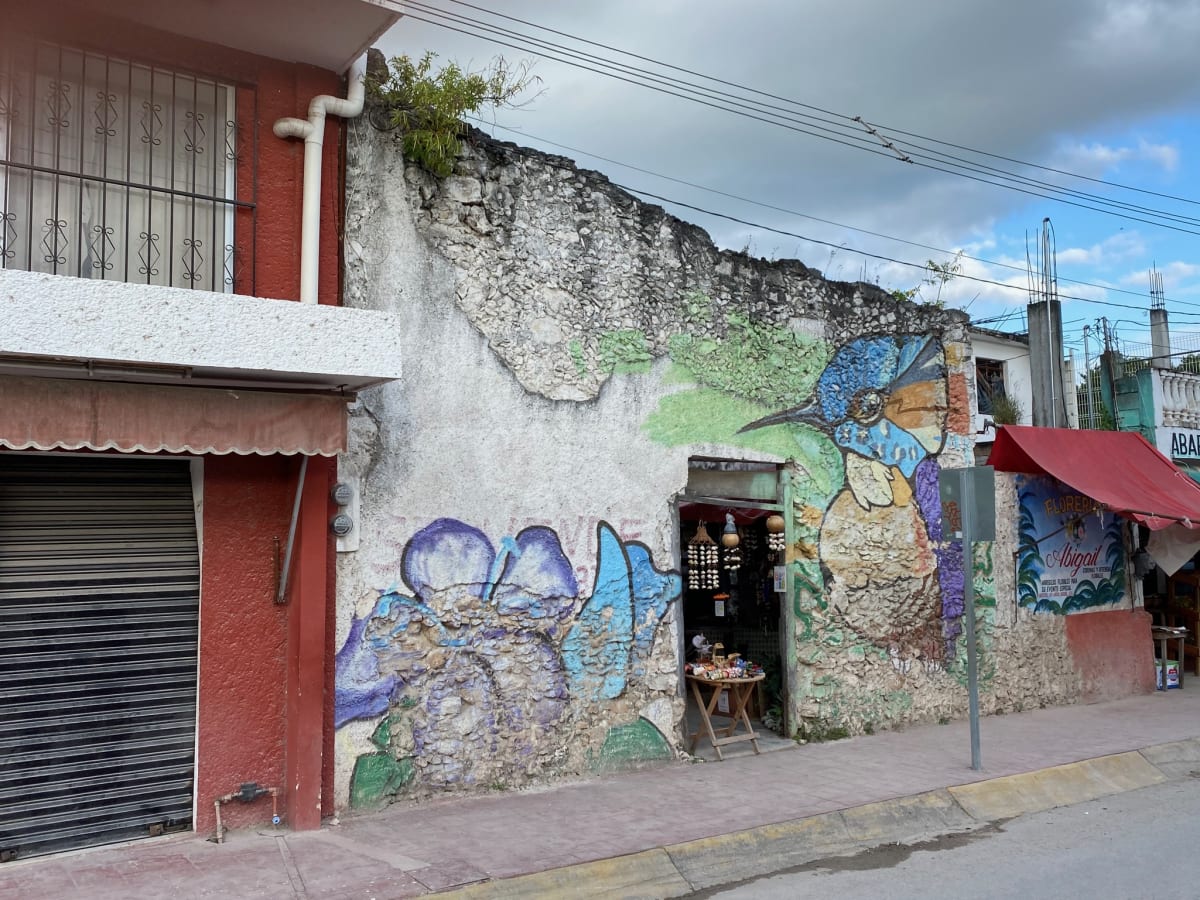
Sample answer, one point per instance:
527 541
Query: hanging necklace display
704 573
776 541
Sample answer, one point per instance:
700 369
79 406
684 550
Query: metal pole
968 530
1087 381
281 597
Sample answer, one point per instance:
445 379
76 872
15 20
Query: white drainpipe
313 133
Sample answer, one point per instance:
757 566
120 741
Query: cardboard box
1172 671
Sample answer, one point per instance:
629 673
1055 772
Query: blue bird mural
883 401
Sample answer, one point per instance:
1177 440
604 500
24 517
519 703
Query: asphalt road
1143 844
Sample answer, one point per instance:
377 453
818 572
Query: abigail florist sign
1070 553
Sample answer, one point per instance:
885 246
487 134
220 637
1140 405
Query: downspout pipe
312 132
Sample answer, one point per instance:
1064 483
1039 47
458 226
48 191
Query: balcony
128 221
328 34
1180 399
66 327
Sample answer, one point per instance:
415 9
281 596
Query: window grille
114 170
989 383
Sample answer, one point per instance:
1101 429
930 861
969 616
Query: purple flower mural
949 554
479 652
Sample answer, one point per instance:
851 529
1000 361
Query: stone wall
511 613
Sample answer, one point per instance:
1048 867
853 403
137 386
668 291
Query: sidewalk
414 849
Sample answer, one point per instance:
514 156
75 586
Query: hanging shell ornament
704 573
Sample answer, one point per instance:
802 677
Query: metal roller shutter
99 619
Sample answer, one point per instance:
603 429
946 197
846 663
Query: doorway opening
730 546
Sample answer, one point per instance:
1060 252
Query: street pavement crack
289 865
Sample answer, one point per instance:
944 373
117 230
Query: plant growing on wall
1006 410
428 106
937 275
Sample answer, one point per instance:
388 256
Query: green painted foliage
706 415
625 352
578 359
377 777
772 367
1030 564
627 745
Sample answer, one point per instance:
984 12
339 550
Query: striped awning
70 414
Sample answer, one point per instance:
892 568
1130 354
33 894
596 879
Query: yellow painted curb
639 875
906 818
1015 795
680 869
733 857
1177 759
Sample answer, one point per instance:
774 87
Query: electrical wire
972 171
866 253
791 212
890 129
842 247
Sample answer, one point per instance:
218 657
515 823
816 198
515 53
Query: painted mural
473 662
870 558
883 400
1070 554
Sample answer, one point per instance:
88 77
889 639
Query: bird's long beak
809 414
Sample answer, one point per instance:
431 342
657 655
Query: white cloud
1121 246
1096 158
959 72
1174 274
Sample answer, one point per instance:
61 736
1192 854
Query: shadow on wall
483 656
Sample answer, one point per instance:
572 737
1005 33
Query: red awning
64 414
1119 469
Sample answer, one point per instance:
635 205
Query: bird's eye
866 406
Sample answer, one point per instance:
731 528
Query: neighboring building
166 432
1163 405
1001 371
589 382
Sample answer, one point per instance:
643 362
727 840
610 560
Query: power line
879 256
841 247
951 253
827 112
851 140
738 106
901 262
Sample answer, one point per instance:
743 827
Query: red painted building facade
170 421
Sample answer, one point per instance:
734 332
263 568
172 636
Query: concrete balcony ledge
1180 398
58 326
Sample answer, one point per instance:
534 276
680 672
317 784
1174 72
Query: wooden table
1163 636
739 690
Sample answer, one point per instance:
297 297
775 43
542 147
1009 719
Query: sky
1105 89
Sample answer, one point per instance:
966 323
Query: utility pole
1045 332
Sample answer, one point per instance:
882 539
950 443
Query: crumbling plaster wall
1024 661
567 348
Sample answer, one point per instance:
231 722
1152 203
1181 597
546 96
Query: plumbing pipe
312 131
237 795
281 595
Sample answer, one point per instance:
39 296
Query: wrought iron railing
110 169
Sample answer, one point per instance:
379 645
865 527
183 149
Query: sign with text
1178 443
976 485
1070 552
